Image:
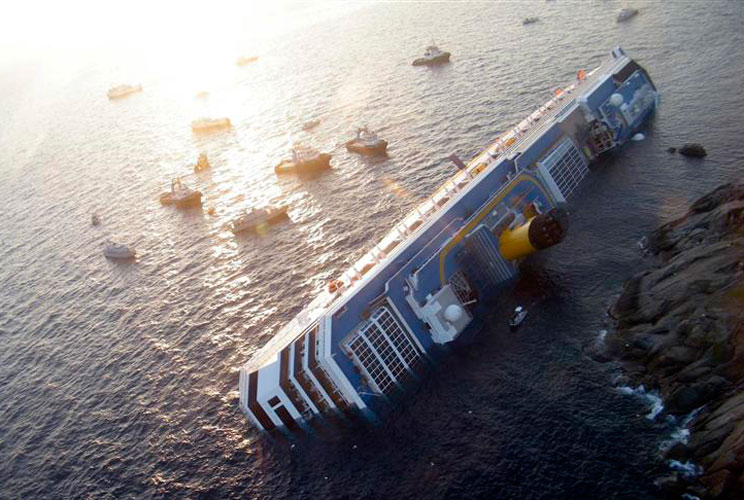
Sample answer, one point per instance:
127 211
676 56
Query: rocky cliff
680 330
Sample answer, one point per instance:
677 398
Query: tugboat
181 195
304 159
210 124
517 317
626 14
117 251
250 221
367 143
242 61
530 20
202 163
432 56
123 91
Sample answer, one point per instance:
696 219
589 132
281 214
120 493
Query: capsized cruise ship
356 347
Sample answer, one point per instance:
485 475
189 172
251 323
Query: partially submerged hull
379 324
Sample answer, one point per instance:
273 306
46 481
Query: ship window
567 166
382 350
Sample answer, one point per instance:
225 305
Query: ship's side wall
368 346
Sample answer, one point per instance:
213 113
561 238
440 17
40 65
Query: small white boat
432 56
520 313
304 160
123 90
366 142
626 14
250 221
310 124
181 195
117 251
210 124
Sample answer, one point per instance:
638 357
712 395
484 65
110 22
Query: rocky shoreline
680 331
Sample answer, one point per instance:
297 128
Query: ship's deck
524 134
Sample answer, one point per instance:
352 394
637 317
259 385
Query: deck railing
523 132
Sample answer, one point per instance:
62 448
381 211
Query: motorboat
517 318
118 251
95 219
432 56
242 60
257 217
366 142
530 20
202 94
123 91
181 195
210 124
310 124
304 159
626 13
202 163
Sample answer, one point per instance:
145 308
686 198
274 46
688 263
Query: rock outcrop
680 330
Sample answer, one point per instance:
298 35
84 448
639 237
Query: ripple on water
121 380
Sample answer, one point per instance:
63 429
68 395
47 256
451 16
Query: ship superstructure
360 342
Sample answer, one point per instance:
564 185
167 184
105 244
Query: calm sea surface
120 381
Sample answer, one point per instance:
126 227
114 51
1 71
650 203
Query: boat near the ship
119 251
95 219
626 13
258 218
202 163
367 143
123 91
530 20
518 317
210 124
181 195
359 344
432 56
310 124
242 60
304 160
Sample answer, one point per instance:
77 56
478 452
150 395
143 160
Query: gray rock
680 330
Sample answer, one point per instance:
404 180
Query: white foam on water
681 433
602 336
651 398
687 469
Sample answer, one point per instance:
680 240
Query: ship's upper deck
408 231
